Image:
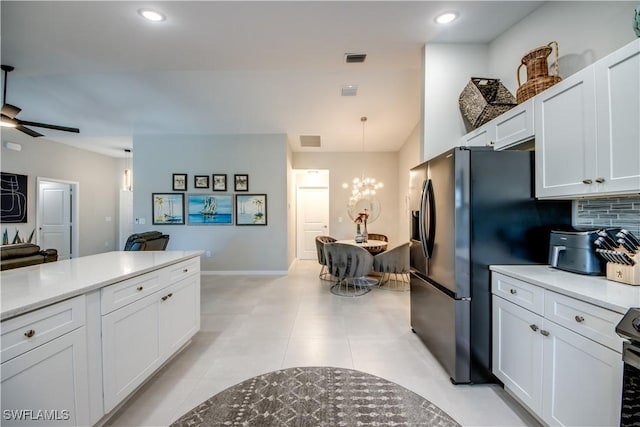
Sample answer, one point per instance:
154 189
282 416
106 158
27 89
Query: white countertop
28 288
596 290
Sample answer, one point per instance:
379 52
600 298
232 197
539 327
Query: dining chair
320 242
349 265
393 262
377 249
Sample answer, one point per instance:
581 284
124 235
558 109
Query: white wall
233 248
408 157
99 185
343 167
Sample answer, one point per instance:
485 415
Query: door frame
310 178
75 211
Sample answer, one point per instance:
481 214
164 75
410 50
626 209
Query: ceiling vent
310 140
349 90
354 57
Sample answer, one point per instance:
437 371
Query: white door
54 217
313 219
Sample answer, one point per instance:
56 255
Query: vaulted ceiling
231 67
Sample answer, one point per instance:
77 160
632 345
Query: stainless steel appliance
471 208
574 250
629 328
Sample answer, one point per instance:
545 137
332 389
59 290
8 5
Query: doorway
57 216
312 210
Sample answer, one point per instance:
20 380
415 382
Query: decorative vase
365 233
538 78
359 236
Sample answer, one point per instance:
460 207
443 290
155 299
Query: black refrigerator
470 208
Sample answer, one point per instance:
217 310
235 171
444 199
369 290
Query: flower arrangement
362 217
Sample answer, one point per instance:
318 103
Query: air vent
354 57
310 140
349 90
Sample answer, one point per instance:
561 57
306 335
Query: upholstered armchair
320 242
147 241
393 262
349 264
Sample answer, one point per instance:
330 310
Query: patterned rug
316 396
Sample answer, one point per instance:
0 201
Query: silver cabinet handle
600 180
587 181
29 333
186 270
534 328
545 333
139 288
579 319
513 291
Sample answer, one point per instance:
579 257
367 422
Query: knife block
629 274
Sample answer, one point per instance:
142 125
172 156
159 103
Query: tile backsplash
623 212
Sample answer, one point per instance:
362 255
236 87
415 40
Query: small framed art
201 181
179 182
219 182
241 182
206 209
251 209
168 208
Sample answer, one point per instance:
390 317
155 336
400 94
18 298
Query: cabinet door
130 348
517 351
48 385
514 126
618 103
480 137
582 380
179 314
566 137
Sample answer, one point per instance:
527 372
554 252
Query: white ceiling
217 67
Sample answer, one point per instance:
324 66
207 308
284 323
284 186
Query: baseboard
245 273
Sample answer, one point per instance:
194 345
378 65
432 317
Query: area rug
316 396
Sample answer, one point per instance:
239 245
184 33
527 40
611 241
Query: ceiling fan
9 113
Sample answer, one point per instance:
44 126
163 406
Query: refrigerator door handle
427 235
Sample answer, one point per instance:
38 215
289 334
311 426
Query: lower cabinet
562 376
48 385
139 337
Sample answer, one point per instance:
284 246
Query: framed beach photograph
201 181
251 209
241 182
220 182
168 208
203 209
179 182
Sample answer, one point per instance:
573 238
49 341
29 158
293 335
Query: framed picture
201 181
241 182
168 208
220 182
14 197
179 182
251 209
205 209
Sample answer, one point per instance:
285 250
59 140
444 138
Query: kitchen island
554 342
80 336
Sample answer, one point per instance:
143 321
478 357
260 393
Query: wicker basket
538 78
484 99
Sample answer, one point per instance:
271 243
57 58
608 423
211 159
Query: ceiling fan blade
54 127
28 131
10 111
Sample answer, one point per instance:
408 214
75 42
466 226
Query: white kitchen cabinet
587 130
139 337
561 359
505 131
44 369
479 137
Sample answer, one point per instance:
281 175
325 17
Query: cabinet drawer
481 137
524 294
23 333
181 270
586 319
516 125
130 290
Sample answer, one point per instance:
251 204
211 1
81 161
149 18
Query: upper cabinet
506 130
587 130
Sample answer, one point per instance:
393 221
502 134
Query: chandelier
363 187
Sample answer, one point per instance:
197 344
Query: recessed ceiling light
152 15
446 18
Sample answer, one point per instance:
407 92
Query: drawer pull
587 181
29 333
186 270
513 291
139 288
579 319
534 328
169 295
599 180
545 333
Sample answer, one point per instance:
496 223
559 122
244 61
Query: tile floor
256 324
